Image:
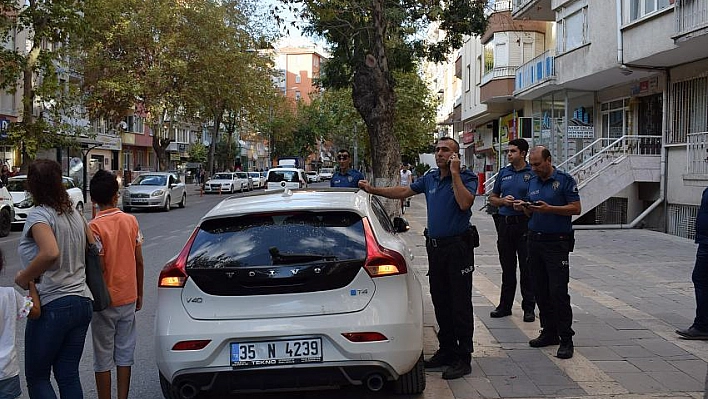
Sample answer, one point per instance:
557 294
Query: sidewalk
630 289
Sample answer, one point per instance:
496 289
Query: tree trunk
374 98
214 137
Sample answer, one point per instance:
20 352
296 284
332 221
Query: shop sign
109 142
174 156
581 132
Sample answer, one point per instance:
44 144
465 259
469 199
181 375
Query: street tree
36 58
131 62
369 40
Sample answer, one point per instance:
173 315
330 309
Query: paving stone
498 366
598 353
661 347
616 366
514 386
632 351
677 381
652 364
623 323
503 335
638 382
695 368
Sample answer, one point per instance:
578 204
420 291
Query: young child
13 306
113 329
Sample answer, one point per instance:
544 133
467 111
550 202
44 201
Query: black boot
460 368
545 339
439 359
565 350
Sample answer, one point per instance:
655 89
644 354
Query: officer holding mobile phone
554 198
449 193
512 183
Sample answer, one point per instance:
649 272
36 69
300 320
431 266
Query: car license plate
139 200
270 353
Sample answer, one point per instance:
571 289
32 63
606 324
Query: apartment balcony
691 19
537 10
498 84
537 72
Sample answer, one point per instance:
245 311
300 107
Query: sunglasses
343 157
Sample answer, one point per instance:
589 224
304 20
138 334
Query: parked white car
282 178
326 173
226 182
313 176
291 290
22 200
159 190
7 212
257 178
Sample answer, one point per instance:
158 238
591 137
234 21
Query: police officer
449 194
345 176
552 200
512 183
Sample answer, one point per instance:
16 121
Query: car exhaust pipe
188 391
374 382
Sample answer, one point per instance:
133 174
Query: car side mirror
400 224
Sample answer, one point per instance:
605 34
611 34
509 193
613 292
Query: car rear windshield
283 175
277 253
16 185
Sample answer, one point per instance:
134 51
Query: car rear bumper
226 380
343 363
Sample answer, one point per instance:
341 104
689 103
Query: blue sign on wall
4 127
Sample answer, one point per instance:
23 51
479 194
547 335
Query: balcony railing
697 153
506 72
690 15
536 71
502 5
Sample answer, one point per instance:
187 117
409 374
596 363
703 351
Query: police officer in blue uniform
552 200
345 176
699 328
449 194
512 183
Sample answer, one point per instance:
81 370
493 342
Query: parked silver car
155 190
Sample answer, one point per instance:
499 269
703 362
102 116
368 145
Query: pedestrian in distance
699 328
4 175
345 176
512 183
52 249
113 329
449 196
406 178
13 306
552 200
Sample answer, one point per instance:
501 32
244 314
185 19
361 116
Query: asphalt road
165 234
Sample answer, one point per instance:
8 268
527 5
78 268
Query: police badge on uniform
350 178
556 184
527 177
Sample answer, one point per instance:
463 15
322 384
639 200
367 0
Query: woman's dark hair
104 187
44 182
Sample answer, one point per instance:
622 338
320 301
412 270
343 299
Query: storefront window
614 118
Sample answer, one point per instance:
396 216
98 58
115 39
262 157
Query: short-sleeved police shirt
349 179
559 189
512 182
445 219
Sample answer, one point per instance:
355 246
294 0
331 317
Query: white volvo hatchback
291 290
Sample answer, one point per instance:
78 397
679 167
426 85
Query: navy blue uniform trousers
550 272
450 276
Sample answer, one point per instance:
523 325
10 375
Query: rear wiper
281 258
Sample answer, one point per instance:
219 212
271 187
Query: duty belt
536 236
445 241
513 219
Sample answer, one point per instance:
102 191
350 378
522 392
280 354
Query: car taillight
193 345
174 274
364 336
381 261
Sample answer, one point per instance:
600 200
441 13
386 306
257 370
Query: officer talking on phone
552 200
512 183
449 193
